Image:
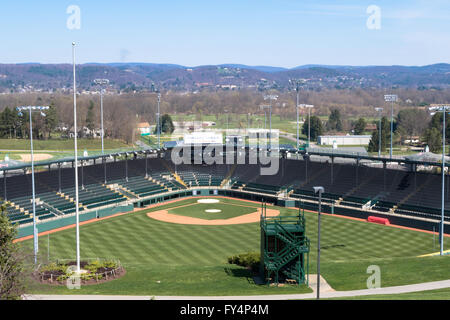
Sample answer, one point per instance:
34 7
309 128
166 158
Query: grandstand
405 196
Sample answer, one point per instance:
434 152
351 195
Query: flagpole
76 160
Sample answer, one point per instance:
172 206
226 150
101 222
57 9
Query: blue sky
284 33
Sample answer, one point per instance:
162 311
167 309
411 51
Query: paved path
327 292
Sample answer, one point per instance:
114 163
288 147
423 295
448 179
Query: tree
385 135
90 117
316 127
433 138
436 122
12 277
412 122
167 124
360 126
51 119
334 121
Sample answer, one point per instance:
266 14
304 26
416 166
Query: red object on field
379 220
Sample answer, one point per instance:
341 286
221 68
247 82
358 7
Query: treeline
123 112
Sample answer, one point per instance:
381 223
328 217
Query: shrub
250 260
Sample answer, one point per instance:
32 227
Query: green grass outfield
192 260
197 210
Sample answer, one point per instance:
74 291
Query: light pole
444 110
101 82
264 107
226 112
379 110
32 109
391 98
158 119
77 213
297 83
319 190
309 107
270 97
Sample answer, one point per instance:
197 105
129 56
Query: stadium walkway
324 294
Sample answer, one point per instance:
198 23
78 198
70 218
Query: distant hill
145 76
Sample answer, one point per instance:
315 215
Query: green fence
67 221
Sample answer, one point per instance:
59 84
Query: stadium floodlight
380 110
319 190
30 110
391 98
77 211
309 107
444 109
101 82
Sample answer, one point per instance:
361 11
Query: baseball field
181 257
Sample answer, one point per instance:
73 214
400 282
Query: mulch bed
108 274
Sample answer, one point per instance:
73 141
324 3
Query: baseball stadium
224 229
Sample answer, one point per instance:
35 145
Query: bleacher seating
386 190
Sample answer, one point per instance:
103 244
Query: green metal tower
284 248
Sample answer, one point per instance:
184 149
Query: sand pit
26 157
164 215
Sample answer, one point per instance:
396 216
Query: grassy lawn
197 210
192 260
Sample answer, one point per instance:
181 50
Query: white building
144 128
344 140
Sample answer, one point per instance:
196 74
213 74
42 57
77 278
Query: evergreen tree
51 119
90 117
360 126
316 127
385 136
167 124
433 138
334 121
11 260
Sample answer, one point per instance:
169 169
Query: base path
164 215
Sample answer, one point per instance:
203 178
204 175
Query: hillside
145 76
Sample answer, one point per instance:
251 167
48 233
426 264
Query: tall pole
296 107
379 139
441 232
379 131
270 125
392 127
35 234
76 160
309 126
318 190
318 245
101 116
30 109
159 125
